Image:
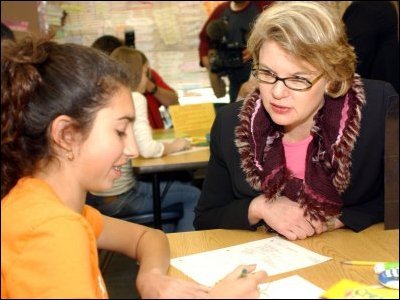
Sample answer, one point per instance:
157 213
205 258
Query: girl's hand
181 144
241 283
155 286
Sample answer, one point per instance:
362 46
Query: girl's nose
131 148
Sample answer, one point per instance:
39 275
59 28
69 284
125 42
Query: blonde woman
303 153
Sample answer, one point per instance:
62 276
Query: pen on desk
360 262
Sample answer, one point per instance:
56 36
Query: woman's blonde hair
311 31
132 61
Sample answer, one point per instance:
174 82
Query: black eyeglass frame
255 71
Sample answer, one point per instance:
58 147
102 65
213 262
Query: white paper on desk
293 287
273 255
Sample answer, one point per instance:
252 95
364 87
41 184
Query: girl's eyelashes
121 133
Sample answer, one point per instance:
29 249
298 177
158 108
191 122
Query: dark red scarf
328 159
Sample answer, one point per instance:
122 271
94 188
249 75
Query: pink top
295 154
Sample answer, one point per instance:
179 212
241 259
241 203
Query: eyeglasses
293 83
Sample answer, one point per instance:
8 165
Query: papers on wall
168 25
195 95
168 37
54 14
273 255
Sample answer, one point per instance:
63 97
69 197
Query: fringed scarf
328 160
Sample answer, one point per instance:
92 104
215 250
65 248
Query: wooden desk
372 244
154 166
184 161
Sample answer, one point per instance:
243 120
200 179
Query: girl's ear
63 132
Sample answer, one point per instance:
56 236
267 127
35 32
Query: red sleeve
159 81
204 40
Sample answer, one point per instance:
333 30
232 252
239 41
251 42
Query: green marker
380 267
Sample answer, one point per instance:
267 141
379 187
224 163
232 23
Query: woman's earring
70 155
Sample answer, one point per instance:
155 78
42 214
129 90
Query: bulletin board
166 31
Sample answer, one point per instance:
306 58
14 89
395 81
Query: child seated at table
59 139
130 197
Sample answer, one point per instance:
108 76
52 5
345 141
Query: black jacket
226 195
372 28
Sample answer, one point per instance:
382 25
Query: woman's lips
280 109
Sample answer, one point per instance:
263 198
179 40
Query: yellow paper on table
348 289
194 120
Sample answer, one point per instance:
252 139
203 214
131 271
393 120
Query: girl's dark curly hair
41 80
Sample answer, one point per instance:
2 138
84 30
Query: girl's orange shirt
48 250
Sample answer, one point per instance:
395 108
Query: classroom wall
21 16
166 31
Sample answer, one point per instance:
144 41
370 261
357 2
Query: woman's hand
287 218
152 285
290 220
239 284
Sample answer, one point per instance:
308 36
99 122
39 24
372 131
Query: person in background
230 21
247 88
6 33
303 154
157 91
60 138
107 43
142 129
159 95
129 197
372 28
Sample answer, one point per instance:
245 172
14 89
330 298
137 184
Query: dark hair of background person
6 33
41 80
107 43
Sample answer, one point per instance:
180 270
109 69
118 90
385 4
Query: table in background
372 244
154 166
